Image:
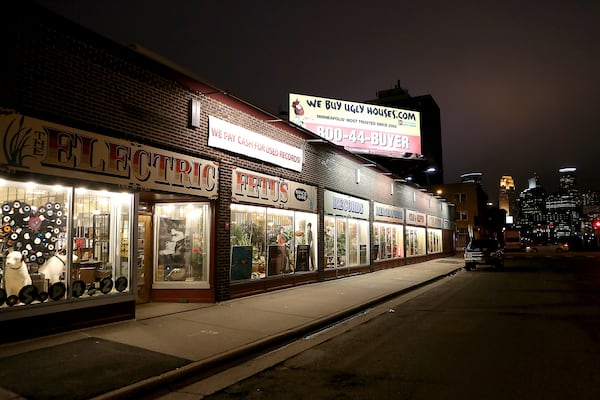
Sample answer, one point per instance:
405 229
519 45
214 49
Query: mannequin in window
282 248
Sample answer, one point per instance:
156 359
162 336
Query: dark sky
517 82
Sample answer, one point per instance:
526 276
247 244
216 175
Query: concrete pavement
211 337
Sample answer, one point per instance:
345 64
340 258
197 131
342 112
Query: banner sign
256 188
340 204
384 212
359 127
415 218
230 137
39 147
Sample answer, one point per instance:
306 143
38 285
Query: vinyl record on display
121 284
106 285
57 291
78 288
28 294
35 223
43 296
12 300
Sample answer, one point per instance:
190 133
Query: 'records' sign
35 146
343 205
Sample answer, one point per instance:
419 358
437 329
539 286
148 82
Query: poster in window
241 262
302 257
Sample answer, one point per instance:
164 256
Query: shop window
280 240
415 241
270 242
101 222
305 241
388 241
346 242
182 245
36 242
434 241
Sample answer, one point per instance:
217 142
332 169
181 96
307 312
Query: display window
42 224
271 242
388 241
182 244
415 241
346 242
434 241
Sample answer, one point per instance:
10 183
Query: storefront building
124 180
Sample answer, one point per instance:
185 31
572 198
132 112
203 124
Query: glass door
144 258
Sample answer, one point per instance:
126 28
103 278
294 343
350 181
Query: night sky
517 82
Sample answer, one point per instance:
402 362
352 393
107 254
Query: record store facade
126 180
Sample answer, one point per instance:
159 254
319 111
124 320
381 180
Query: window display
35 239
388 241
346 242
415 241
269 242
182 248
101 221
434 240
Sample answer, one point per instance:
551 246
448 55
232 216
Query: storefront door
144 258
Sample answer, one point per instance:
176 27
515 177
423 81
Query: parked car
548 248
483 251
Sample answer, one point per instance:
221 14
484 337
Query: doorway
144 259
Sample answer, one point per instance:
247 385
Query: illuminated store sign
384 212
230 137
253 187
340 204
415 218
359 127
34 146
434 222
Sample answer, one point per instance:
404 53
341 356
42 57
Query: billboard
359 127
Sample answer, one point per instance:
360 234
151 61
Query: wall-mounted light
391 188
357 175
316 141
194 113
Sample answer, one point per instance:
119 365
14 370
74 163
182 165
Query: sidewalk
170 341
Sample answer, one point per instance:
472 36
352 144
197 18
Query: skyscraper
507 197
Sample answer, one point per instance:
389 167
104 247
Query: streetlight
428 172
